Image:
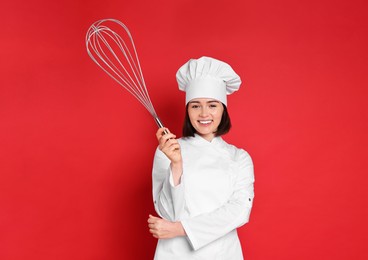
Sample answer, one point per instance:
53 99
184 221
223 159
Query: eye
194 106
213 105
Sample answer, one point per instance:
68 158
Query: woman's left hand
162 228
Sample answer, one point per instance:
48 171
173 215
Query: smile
205 122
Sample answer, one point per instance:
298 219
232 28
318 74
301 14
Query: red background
76 150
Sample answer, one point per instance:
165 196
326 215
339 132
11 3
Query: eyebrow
210 101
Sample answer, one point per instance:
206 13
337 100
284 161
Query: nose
204 111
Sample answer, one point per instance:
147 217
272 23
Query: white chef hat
207 78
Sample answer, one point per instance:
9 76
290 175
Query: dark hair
223 128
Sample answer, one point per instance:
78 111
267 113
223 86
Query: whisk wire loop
119 59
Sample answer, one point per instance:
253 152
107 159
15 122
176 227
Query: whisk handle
159 124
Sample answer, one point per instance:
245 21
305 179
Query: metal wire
110 45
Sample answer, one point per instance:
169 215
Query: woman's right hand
169 146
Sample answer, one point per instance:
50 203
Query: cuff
190 236
177 195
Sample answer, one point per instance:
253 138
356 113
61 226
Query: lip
205 122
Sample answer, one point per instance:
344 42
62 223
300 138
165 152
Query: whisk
110 45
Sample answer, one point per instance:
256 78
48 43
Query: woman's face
205 115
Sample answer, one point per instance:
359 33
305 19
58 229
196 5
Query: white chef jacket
214 197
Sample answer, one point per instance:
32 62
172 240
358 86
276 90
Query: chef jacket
213 199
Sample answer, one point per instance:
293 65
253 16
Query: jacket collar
198 140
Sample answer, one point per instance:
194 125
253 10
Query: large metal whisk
110 45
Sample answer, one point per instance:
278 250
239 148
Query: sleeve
168 199
205 228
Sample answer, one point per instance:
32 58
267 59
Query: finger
174 146
169 143
172 149
162 131
152 219
164 138
152 226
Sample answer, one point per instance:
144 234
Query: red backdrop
76 150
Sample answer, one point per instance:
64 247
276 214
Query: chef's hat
207 78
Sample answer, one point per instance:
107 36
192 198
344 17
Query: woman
202 186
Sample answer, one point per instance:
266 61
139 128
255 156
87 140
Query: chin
205 133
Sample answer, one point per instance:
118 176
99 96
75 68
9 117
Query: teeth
205 122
